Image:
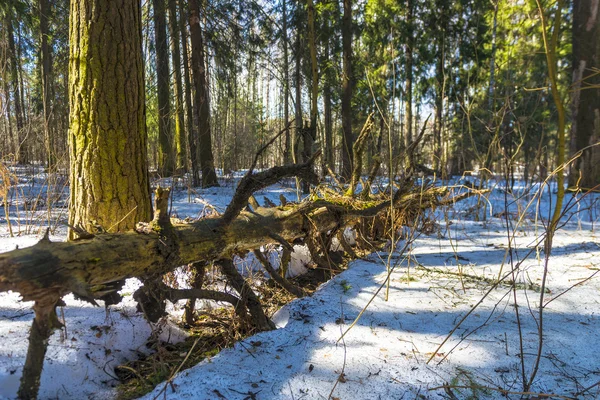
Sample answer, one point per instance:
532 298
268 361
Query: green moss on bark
107 135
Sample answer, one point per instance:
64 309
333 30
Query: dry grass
212 332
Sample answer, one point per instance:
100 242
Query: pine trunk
107 134
298 95
14 67
46 64
181 156
439 93
310 135
209 177
408 137
287 159
166 162
585 106
347 88
192 136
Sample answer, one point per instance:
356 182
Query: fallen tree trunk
93 268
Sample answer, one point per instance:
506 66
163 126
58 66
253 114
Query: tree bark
209 176
287 159
357 152
14 67
328 83
310 134
107 134
347 90
439 90
166 160
192 136
180 145
409 73
585 105
298 94
47 92
328 127
492 84
12 137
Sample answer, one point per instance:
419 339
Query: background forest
476 70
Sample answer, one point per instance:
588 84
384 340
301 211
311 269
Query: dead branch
281 281
253 182
247 294
358 149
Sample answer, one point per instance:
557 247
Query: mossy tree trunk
166 160
207 165
107 134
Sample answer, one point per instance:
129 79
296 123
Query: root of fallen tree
95 266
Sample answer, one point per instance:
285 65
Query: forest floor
434 284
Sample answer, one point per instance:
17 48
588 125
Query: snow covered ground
384 355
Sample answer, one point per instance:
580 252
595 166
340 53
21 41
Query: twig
587 389
164 389
572 287
341 374
506 392
262 149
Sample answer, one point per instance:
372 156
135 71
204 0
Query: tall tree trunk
47 93
328 127
166 162
310 135
287 159
209 176
192 136
492 83
409 74
14 66
20 71
181 156
347 89
327 94
4 133
298 96
585 105
9 137
439 107
13 138
107 133
439 91
235 122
